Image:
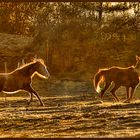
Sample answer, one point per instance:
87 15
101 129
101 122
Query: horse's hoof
28 103
42 105
100 102
117 101
126 101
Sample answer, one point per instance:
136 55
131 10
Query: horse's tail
99 82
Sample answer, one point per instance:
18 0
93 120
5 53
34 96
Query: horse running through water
115 77
21 78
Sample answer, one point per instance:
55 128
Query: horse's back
123 76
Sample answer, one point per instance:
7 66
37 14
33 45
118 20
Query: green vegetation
76 37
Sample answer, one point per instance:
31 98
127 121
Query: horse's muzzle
48 75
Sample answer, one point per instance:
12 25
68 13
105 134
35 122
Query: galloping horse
116 77
21 78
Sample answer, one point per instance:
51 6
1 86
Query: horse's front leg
32 91
128 95
113 93
104 90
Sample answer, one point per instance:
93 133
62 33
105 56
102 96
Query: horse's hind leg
131 95
31 90
127 90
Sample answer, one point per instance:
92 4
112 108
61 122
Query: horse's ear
35 58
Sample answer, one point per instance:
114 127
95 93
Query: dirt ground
72 109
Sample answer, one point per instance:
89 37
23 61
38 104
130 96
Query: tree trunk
100 11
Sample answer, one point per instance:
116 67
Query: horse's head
137 58
41 69
137 66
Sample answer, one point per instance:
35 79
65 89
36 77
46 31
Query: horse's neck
137 68
29 70
138 71
32 71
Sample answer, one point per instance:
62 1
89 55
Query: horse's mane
30 63
38 60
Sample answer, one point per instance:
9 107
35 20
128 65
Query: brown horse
21 78
115 77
